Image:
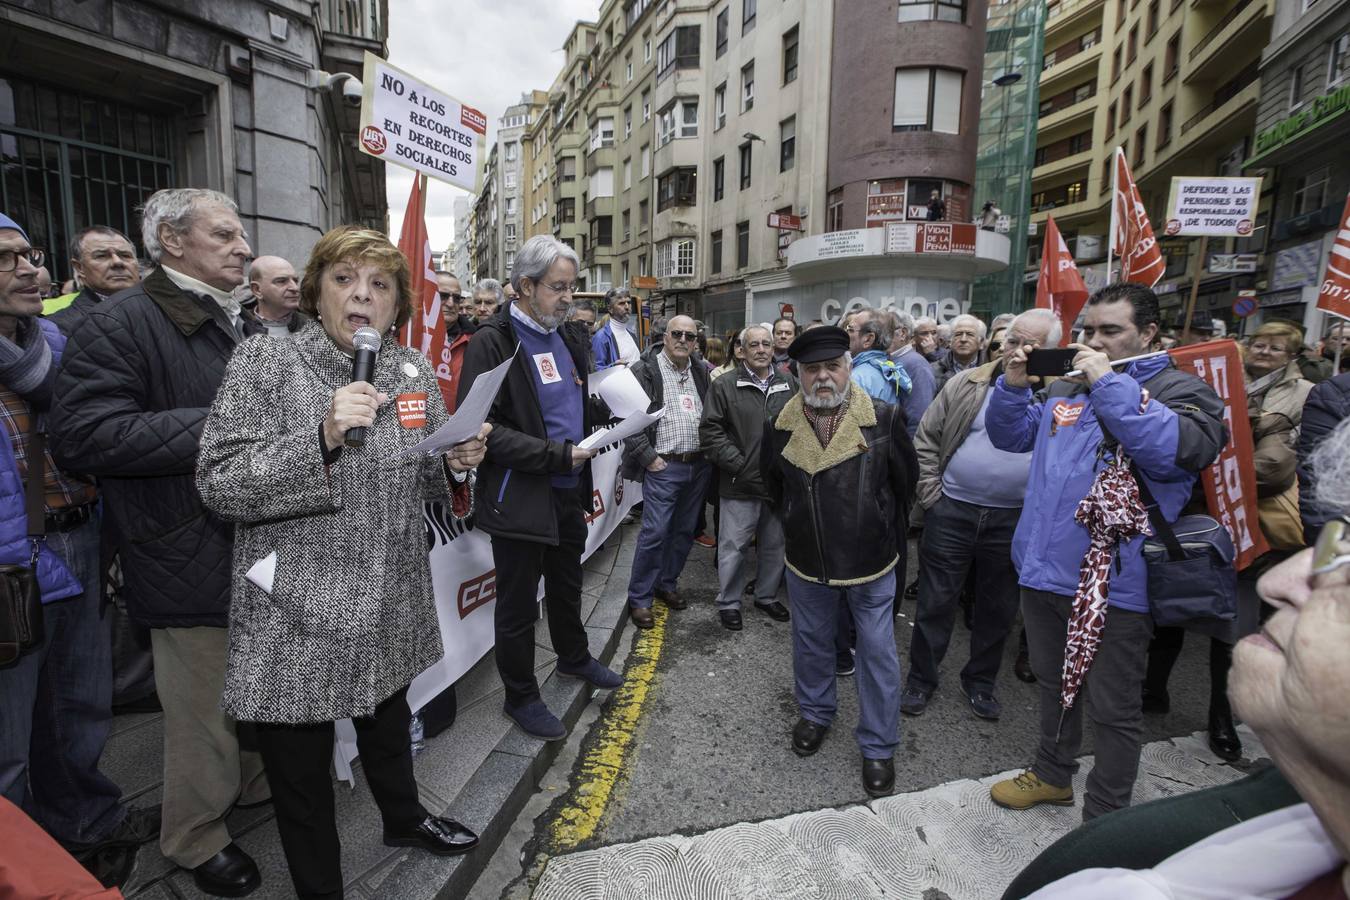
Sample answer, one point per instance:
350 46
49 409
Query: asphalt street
708 744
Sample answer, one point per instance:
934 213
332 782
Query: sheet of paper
629 426
264 572
470 415
619 387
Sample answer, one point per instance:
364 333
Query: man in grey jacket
972 496
732 432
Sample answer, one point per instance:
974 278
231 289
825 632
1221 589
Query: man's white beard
815 401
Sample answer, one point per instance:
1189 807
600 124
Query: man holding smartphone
1170 426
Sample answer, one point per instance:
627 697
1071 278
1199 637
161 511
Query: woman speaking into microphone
332 614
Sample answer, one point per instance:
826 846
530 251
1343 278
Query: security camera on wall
351 92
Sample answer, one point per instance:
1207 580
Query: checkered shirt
677 430
61 491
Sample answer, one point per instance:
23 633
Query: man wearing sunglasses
668 459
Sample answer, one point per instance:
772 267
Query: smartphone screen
1051 363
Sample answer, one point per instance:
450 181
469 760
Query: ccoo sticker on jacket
1066 414
412 409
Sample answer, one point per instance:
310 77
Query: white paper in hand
619 388
264 572
629 426
471 413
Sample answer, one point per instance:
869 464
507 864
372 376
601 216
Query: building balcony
678 221
1067 15
682 83
599 206
1074 113
600 158
1066 213
678 153
1058 74
1063 165
1231 113
1239 34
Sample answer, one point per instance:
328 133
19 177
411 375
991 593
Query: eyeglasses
562 287
683 335
451 296
9 259
1263 347
1332 550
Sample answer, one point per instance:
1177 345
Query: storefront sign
1296 266
885 201
408 122
1231 263
1218 207
1311 116
946 238
784 220
835 244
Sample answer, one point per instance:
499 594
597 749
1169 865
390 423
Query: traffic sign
1244 306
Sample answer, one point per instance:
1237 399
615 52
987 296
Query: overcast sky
484 53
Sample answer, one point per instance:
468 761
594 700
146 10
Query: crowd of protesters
176 426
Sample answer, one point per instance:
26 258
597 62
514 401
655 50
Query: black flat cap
819 344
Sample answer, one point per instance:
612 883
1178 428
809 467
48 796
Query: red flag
425 331
1132 240
1059 286
1335 294
1230 484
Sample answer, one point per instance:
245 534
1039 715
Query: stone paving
949 841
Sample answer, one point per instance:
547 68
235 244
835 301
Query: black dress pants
520 564
298 758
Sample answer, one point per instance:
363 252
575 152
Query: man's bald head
275 286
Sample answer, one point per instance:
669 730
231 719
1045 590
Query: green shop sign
1311 116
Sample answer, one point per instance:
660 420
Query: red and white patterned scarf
1112 513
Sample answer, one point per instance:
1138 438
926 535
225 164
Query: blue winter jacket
54 576
883 380
605 348
1173 437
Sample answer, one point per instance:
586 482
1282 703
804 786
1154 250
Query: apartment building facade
1176 84
1300 135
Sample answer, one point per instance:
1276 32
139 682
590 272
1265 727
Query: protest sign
1230 483
1212 206
411 123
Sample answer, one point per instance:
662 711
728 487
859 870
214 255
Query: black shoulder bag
1190 563
20 593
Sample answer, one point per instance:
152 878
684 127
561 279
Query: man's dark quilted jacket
137 380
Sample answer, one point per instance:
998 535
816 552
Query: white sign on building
1217 207
411 123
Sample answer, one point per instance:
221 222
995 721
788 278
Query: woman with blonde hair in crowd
342 617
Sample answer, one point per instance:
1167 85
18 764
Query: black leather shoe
807 737
1223 738
878 777
641 616
230 873
1022 668
671 599
773 609
731 619
436 834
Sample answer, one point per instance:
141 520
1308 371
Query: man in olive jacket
732 431
136 383
840 468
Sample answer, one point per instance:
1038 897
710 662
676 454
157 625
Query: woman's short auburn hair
353 244
1292 334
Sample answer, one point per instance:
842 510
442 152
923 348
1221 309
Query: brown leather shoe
641 616
671 599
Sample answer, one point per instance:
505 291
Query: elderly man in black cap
841 470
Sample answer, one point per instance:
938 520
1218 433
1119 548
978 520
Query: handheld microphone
366 342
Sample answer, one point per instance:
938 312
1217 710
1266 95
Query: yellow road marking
603 763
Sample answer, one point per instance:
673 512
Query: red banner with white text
1230 483
1132 239
1334 296
1059 286
425 331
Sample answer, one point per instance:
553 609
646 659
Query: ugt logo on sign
476 592
373 140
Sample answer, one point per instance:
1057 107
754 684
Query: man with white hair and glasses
840 469
534 484
972 495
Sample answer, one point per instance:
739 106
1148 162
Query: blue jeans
815 618
56 709
671 500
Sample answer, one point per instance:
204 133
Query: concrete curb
499 788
